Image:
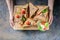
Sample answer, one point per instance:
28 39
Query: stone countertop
7 33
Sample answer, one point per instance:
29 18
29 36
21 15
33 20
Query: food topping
44 28
42 25
43 22
46 24
23 19
28 23
23 11
45 10
17 16
17 10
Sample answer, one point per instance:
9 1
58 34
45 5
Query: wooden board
17 26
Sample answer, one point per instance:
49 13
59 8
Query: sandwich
42 25
42 13
20 15
42 18
21 12
29 23
32 10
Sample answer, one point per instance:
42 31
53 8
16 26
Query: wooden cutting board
17 26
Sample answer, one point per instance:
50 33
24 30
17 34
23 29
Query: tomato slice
17 16
43 22
44 28
28 23
23 11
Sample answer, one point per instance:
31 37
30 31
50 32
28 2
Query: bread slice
42 8
18 26
29 23
40 15
21 11
20 8
32 9
20 15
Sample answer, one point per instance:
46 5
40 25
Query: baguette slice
32 9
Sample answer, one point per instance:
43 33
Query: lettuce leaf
46 24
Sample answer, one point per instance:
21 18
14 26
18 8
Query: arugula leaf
45 10
23 19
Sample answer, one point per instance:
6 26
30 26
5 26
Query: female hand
11 20
50 17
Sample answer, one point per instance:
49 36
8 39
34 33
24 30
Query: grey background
7 33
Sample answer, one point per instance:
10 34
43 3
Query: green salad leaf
46 24
23 19
39 26
45 10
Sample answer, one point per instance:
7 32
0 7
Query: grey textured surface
7 33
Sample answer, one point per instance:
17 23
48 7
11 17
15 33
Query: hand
50 17
11 21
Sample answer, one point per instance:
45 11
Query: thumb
51 19
11 22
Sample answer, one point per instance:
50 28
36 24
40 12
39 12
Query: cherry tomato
44 28
28 23
23 11
43 22
17 16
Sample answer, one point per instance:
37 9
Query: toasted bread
40 15
32 9
30 24
41 8
18 9
23 18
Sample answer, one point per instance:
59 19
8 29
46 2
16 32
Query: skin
51 4
10 8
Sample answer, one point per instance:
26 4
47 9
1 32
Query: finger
51 19
11 23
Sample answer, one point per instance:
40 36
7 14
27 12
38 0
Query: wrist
11 17
50 10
